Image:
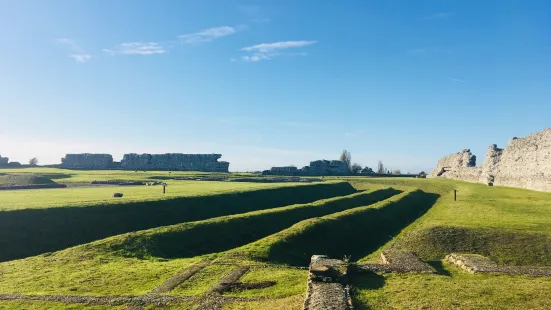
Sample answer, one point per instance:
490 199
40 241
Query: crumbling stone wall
491 165
317 167
175 161
4 161
460 165
87 161
524 163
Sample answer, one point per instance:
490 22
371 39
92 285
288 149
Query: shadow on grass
438 265
365 281
357 234
226 233
31 232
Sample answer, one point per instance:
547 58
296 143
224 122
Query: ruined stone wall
526 162
174 161
491 165
460 166
87 161
4 161
317 167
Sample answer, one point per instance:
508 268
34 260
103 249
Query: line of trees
355 168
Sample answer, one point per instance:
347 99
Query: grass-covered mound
508 247
355 232
86 270
30 232
509 225
7 180
224 233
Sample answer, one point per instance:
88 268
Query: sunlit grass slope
355 232
33 231
509 225
224 233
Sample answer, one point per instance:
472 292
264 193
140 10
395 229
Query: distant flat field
71 197
79 176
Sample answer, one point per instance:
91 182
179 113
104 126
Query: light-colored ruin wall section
175 161
459 166
526 162
87 161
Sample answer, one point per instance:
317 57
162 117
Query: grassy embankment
131 263
511 226
26 232
354 233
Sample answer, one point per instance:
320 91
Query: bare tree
397 171
33 161
346 157
356 168
380 167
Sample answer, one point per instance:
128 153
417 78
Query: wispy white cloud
456 80
208 34
81 58
440 15
266 51
79 55
136 48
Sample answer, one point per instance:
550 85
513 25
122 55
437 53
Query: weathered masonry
169 162
317 167
524 163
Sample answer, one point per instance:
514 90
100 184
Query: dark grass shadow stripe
356 232
30 232
224 233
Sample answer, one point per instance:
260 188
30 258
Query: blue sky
272 82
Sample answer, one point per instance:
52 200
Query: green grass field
272 227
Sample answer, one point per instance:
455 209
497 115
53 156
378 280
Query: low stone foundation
474 263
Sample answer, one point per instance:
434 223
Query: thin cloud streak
267 51
440 15
79 54
207 35
136 48
456 80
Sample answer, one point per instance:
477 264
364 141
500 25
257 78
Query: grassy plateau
78 241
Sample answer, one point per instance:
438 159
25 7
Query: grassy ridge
29 232
508 247
224 233
354 232
23 179
511 226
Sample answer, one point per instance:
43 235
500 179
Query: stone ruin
87 161
524 163
175 161
317 167
5 163
169 162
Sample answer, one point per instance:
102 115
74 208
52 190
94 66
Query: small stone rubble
474 263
